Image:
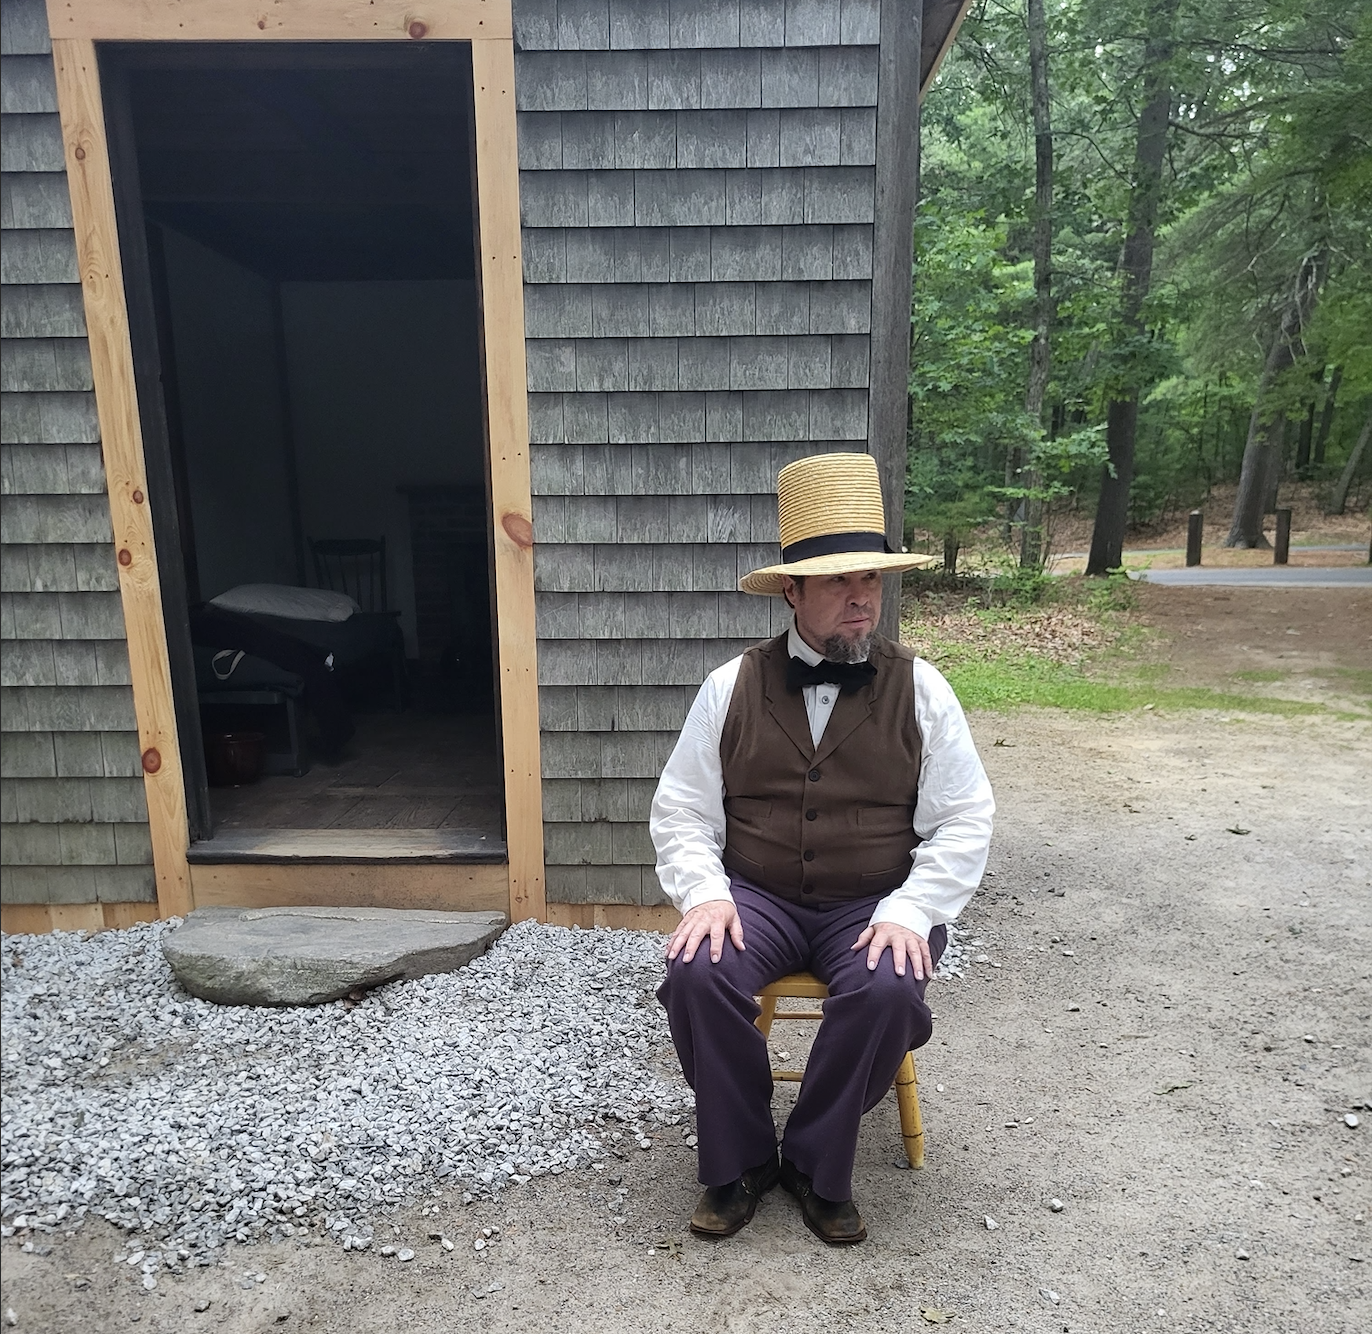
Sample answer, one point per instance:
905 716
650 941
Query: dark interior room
308 221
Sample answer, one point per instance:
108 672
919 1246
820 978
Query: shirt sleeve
953 814
687 817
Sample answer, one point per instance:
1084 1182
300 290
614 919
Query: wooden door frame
76 26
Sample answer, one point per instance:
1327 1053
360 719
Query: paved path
1143 552
1274 576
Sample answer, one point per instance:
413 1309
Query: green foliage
1269 163
970 333
1116 592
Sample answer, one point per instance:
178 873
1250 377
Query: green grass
1006 683
1355 678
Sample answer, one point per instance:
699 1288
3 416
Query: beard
839 649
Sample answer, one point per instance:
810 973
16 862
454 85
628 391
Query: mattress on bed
363 635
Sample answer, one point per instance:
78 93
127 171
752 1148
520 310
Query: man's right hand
712 919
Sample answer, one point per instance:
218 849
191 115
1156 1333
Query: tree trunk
1031 551
1262 454
1340 497
1307 435
1136 268
1276 466
1014 465
1326 419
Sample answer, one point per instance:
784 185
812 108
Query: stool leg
911 1122
769 1010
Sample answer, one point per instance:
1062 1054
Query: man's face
837 614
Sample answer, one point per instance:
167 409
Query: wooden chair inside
805 986
352 565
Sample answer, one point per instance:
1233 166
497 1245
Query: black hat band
834 544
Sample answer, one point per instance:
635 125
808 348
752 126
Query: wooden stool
805 986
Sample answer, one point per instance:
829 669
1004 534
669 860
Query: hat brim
767 582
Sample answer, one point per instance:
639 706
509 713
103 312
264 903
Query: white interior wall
385 391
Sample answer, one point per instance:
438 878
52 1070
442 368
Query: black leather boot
724 1210
834 1221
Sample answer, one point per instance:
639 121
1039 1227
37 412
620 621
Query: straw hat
832 522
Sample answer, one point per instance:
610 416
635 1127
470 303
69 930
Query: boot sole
709 1235
832 1241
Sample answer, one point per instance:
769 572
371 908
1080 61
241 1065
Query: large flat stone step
306 956
348 845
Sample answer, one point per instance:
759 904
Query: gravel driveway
1169 1035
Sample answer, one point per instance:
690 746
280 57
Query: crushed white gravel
190 1124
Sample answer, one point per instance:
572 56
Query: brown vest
821 826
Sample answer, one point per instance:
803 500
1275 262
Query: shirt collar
798 648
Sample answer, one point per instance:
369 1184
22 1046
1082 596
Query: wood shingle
72 803
698 199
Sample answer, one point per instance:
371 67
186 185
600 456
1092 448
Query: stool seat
806 986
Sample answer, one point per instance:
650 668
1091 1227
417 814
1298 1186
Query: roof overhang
942 19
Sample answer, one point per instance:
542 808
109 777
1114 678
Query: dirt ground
1310 525
1172 1025
1310 644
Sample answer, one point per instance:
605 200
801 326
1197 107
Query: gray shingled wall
71 791
697 180
697 184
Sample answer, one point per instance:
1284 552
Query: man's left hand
903 944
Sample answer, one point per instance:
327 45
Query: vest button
812 814
807 890
814 775
809 854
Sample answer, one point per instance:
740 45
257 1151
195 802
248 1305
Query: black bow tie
847 676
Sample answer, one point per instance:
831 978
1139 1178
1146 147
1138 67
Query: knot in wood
519 530
80 153
417 29
125 556
152 760
137 496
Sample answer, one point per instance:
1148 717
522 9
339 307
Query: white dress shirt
952 813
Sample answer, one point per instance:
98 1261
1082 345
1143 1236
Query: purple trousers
871 1019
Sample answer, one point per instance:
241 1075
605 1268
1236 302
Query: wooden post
121 443
1195 525
500 279
1282 550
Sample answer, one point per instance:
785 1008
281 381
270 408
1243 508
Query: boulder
306 956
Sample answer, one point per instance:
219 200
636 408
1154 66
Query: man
824 809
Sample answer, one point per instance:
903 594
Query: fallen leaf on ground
1234 829
1173 1088
935 1316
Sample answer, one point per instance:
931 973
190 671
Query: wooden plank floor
347 846
402 771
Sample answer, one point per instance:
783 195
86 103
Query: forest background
1143 269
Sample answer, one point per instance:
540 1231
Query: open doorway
304 319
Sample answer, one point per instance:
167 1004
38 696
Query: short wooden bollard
1195 525
1282 551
